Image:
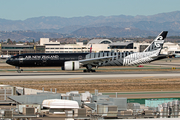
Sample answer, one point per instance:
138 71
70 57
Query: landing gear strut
18 69
89 69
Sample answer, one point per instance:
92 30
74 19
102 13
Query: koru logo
160 38
159 41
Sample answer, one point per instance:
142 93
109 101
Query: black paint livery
44 59
73 61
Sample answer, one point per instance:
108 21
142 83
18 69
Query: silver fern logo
159 41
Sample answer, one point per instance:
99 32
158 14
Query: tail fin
91 48
158 42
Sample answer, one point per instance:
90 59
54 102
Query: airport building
21 49
128 46
56 47
105 45
40 104
171 48
98 45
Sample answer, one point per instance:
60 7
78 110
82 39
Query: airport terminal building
20 49
56 47
98 45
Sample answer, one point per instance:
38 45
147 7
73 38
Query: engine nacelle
71 65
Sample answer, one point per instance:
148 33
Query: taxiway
81 75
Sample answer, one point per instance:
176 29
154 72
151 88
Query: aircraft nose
8 61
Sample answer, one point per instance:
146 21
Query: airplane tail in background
157 43
91 49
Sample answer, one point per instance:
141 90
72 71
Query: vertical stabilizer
157 43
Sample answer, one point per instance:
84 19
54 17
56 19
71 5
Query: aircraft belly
36 63
118 62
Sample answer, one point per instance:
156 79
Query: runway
103 81
81 75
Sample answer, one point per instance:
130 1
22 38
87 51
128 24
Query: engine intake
71 65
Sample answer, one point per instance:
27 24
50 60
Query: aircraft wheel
93 70
84 70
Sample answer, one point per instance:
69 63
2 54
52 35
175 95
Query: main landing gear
89 69
18 69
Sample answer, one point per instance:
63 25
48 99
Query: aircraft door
20 59
44 62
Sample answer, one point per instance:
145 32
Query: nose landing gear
18 69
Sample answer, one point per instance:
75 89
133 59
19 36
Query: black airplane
73 61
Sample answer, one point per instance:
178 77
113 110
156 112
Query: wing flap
160 57
95 60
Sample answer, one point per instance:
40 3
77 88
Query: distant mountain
143 25
28 35
107 31
89 26
64 30
88 21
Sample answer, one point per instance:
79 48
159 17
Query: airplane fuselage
44 59
73 61
58 59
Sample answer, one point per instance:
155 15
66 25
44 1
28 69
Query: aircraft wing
95 61
160 57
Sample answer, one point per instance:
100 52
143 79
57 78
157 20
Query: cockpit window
10 58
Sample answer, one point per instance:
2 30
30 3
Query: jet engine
71 65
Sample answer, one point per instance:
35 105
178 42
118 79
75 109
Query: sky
23 9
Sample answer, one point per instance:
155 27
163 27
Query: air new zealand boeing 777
73 61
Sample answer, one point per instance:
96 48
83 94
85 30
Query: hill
107 31
89 26
169 20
